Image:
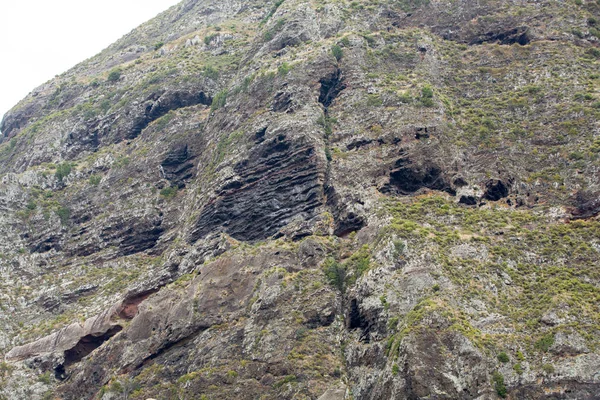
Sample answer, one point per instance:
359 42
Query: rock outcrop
310 200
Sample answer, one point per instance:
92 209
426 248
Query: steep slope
289 200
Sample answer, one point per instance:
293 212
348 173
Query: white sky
43 38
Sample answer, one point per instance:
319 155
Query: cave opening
331 86
407 178
357 321
87 344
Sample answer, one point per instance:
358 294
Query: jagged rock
568 344
286 200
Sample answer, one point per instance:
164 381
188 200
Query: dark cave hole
357 321
468 200
407 178
87 344
495 190
518 36
259 136
60 373
331 86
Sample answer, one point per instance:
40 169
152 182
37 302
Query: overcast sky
43 38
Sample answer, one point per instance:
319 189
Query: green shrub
545 342
64 214
114 75
499 385
518 368
399 247
577 33
62 171
405 98
219 100
122 161
395 369
44 378
373 100
593 52
503 358
168 192
209 38
337 52
286 379
116 387
427 92
284 69
335 272
95 180
158 45
548 368
210 72
327 124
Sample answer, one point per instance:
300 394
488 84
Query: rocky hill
325 199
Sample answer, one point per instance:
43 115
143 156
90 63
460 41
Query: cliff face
302 200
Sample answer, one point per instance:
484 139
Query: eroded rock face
178 166
282 180
287 200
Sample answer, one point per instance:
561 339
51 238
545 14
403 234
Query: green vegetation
62 170
518 368
169 192
544 343
327 123
335 272
210 72
374 100
114 75
503 357
95 180
64 214
342 275
535 289
45 378
287 379
337 52
270 34
427 96
209 38
219 100
271 12
499 386
548 368
284 69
